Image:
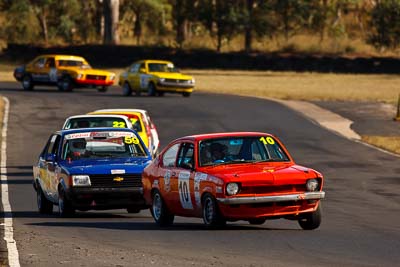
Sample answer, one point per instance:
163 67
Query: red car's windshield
240 149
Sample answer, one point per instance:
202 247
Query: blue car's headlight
81 180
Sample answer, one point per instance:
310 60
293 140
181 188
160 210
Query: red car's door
167 176
184 180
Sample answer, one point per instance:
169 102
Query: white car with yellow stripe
95 121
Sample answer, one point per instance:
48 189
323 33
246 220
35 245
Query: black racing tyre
133 209
27 82
138 92
312 220
65 84
186 94
160 93
65 208
257 221
151 89
211 215
126 89
102 89
44 205
159 211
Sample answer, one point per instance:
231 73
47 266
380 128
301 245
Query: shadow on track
20 181
151 226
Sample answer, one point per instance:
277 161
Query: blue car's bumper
87 198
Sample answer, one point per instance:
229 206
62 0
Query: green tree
385 24
319 14
223 19
68 20
257 21
183 11
292 15
41 9
148 12
20 24
86 20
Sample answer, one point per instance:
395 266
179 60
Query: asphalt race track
361 212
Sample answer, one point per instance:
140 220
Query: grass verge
390 143
300 86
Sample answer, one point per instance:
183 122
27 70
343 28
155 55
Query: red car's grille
262 190
96 77
122 180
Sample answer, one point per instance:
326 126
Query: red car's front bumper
243 208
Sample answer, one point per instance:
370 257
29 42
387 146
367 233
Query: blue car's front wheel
44 205
65 208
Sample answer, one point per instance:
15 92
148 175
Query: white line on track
13 256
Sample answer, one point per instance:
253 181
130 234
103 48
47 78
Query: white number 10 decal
184 190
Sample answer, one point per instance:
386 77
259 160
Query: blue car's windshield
95 145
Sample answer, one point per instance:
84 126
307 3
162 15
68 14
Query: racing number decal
53 75
184 190
118 124
167 181
131 140
267 140
144 81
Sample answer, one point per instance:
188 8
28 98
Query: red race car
224 177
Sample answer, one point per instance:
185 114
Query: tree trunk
248 36
42 16
324 16
180 23
111 20
286 23
181 32
100 20
137 30
219 40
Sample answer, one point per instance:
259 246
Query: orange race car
231 176
65 71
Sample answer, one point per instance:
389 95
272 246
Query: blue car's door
47 166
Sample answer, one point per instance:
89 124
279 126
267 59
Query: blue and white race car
91 169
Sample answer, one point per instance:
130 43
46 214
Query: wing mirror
51 157
142 70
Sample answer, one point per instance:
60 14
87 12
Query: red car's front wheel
211 214
160 212
312 220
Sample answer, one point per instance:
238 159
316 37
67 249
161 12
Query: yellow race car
155 77
139 124
64 71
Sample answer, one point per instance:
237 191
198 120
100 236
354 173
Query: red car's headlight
232 189
312 185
